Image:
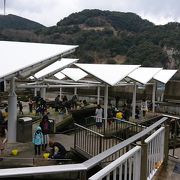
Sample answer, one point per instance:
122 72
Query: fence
91 143
84 167
125 167
114 126
155 151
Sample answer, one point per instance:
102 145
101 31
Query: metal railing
91 143
114 126
84 167
174 133
125 167
155 151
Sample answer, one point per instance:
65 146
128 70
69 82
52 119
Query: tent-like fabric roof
108 73
59 75
144 74
164 75
55 67
74 73
16 56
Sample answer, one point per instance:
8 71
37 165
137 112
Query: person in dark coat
57 103
20 107
58 151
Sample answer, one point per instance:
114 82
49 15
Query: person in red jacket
45 126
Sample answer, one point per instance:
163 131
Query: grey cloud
55 10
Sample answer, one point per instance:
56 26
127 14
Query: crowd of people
64 105
42 142
124 114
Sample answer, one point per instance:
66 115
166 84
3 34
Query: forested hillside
15 22
110 37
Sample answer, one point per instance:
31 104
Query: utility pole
4 7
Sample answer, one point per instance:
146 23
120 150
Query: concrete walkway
169 172
25 156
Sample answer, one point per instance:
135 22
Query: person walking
37 140
30 105
99 116
57 103
144 107
20 107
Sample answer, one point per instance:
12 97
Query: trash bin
24 129
52 125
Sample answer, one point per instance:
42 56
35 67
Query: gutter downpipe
98 94
153 97
134 101
105 104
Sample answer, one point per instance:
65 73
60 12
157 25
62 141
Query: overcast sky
49 12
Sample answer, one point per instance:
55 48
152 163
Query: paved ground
170 173
26 156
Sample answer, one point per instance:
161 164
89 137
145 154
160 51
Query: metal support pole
83 175
75 91
134 101
105 104
153 97
5 86
144 160
12 113
60 93
98 94
75 136
43 93
35 92
175 137
166 145
162 96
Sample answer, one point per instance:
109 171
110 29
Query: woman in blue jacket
38 140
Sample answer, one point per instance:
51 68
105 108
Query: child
38 140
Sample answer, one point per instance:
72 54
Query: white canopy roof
74 73
144 74
164 75
55 67
59 75
16 56
108 73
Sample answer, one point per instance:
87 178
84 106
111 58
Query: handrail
89 130
174 117
97 159
128 122
81 166
15 172
154 135
108 169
